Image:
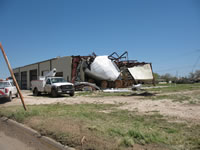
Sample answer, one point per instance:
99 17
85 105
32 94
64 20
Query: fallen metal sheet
117 90
102 68
80 85
141 72
137 87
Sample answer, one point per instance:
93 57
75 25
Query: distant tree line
191 78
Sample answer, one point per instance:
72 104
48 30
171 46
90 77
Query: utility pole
12 75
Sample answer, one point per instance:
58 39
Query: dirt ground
142 104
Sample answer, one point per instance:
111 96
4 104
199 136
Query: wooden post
12 75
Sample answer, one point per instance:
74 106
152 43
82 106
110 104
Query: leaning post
13 77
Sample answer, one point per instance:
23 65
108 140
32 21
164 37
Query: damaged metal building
113 71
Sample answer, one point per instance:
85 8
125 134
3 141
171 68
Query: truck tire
10 96
16 95
71 94
35 92
54 93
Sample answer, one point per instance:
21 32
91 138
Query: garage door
33 74
24 80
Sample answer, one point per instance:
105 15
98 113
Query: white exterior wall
63 64
44 66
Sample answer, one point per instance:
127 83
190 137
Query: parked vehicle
52 85
7 89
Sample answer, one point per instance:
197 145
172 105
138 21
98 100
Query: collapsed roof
111 68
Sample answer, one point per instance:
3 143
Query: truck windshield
56 80
4 84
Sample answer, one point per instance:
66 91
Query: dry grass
106 126
86 126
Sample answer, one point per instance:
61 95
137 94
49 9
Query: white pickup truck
52 85
7 89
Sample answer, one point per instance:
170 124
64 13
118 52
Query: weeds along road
162 115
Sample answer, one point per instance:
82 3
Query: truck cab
58 85
7 89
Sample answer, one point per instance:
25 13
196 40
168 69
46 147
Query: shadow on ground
4 100
142 94
49 95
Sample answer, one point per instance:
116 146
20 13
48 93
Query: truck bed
39 84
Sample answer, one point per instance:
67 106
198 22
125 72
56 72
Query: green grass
173 97
169 88
176 88
190 98
70 123
102 94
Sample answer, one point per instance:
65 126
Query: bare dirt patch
166 108
79 135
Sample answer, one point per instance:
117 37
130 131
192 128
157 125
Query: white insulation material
103 68
143 72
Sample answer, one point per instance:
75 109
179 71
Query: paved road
10 143
14 138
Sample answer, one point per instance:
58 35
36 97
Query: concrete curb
36 134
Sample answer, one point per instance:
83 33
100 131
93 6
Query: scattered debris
137 87
111 71
117 90
85 86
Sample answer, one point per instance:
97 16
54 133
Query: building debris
117 90
85 86
141 72
137 87
102 68
112 71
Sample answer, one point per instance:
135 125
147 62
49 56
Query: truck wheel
71 94
16 95
35 92
54 93
10 97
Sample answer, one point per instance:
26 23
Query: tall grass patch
104 126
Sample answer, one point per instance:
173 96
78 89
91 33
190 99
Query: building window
33 74
59 74
44 72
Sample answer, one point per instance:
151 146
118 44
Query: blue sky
164 32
